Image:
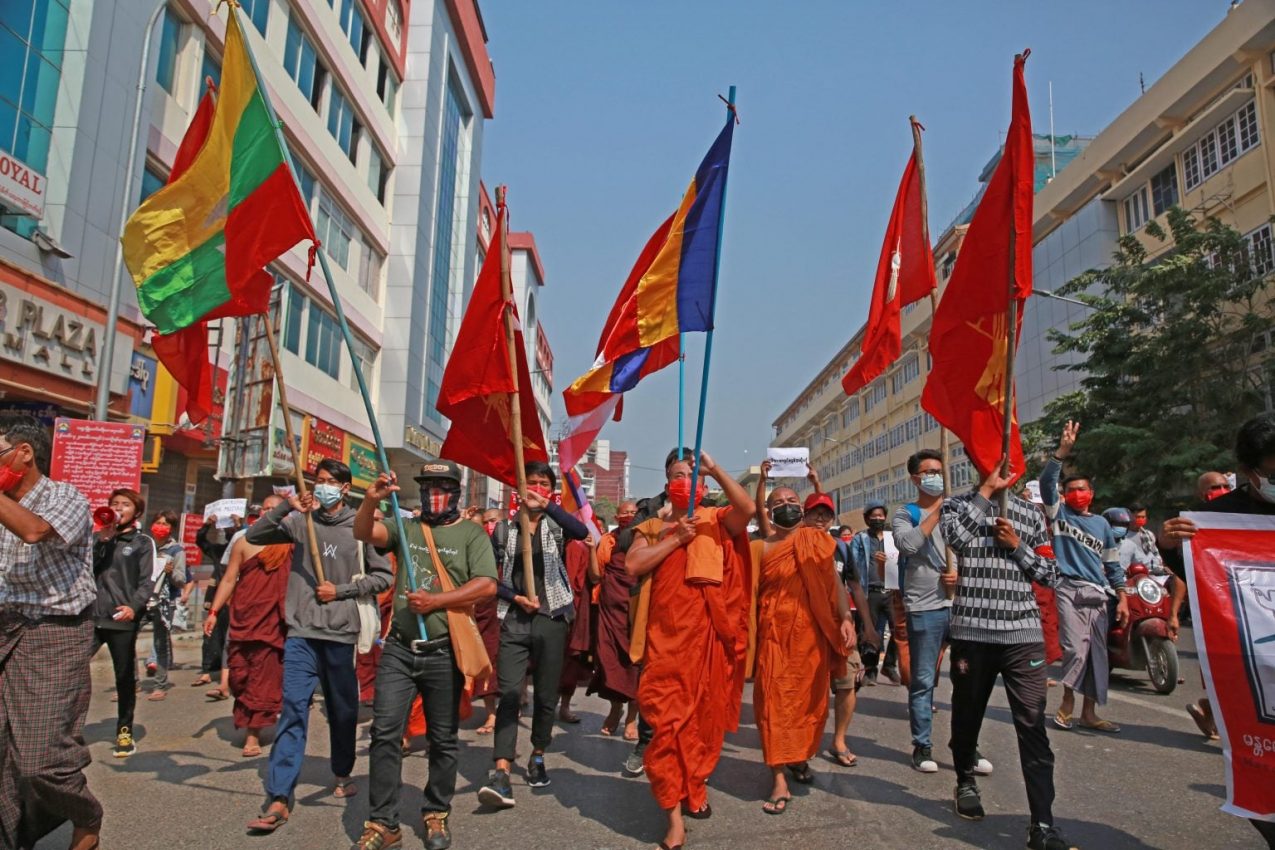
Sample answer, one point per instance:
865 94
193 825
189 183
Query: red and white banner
1231 575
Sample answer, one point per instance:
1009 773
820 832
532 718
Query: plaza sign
42 335
21 187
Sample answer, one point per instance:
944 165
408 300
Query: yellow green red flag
197 247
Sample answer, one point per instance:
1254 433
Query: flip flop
345 789
631 736
1202 722
267 823
485 730
778 805
251 752
201 681
697 814
1063 721
156 696
607 730
845 758
802 773
217 695
1101 726
663 846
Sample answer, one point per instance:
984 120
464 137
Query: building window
949 263
258 11
1261 257
454 118
32 38
209 70
323 341
908 372
355 28
377 174
301 63
875 395
369 271
1235 135
1164 190
292 322
341 123
335 231
305 179
1136 210
152 182
170 32
366 360
386 85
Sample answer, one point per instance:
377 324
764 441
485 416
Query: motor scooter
1144 642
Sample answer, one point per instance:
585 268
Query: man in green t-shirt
413 662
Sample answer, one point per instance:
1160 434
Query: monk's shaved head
780 495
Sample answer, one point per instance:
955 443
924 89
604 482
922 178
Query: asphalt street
1154 785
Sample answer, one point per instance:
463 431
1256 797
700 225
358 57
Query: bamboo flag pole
515 406
708 340
1011 351
311 538
944 445
404 553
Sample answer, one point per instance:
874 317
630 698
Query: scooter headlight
1150 592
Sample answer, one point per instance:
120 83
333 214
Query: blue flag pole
404 553
708 341
681 390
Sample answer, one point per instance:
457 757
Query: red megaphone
104 516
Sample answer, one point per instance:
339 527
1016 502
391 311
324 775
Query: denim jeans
927 632
309 663
401 676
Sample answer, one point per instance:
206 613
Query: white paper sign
224 509
287 491
1033 493
788 462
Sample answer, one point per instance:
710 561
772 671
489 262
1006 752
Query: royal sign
21 186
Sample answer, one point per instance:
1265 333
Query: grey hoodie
304 614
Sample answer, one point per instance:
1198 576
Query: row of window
1152 199
338 233
312 333
1235 135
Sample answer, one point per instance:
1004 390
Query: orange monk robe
799 646
693 670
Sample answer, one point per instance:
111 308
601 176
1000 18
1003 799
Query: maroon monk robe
615 676
579 653
255 648
489 628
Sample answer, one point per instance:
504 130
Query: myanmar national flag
196 248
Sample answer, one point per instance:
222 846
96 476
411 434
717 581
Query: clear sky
604 109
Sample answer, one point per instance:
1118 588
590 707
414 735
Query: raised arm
271 528
734 521
366 527
759 500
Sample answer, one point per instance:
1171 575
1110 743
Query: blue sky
604 109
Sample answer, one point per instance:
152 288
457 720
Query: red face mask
1139 522
10 478
161 531
847 537
490 527
542 492
1214 493
623 521
679 493
1079 500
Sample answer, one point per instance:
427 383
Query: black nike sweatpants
974 669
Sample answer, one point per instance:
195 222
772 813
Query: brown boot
378 837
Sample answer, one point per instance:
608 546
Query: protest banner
1230 568
225 510
788 462
97 457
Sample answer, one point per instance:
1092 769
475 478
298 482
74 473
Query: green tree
1174 355
604 509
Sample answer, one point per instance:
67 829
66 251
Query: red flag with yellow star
969 339
478 381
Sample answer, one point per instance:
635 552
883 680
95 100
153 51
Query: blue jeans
927 632
309 663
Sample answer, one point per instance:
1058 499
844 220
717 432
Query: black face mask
440 511
876 524
786 515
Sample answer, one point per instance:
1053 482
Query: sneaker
870 678
438 835
892 674
378 837
1041 836
968 803
982 767
124 745
923 760
497 792
635 764
537 776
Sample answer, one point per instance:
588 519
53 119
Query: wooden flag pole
404 552
708 340
311 538
515 407
944 445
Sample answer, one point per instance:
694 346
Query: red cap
815 500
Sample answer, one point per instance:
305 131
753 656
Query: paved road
1156 785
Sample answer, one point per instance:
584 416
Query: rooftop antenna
1053 160
1142 84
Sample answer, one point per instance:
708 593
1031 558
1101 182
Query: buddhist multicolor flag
479 379
576 501
969 339
197 247
905 273
669 292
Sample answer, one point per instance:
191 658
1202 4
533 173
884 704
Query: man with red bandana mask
535 626
46 640
169 576
1089 561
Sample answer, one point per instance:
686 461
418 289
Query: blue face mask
1119 531
327 494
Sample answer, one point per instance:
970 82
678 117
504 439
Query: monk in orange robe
804 633
695 640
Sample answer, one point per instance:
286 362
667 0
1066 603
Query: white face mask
932 484
327 494
1265 488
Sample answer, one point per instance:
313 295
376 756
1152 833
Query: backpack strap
914 512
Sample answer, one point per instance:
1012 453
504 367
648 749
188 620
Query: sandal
345 788
267 823
486 729
845 758
1063 720
1101 726
663 846
697 814
157 695
201 681
251 752
1202 722
802 773
778 805
217 695
631 737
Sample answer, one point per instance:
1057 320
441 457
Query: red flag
969 340
477 381
185 353
905 273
